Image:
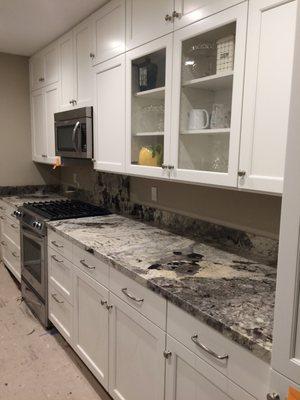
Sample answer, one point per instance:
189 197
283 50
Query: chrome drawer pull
56 299
209 351
124 290
103 303
60 246
86 265
14 254
14 226
57 260
3 243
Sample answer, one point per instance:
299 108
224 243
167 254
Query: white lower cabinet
137 364
91 324
60 312
190 377
131 350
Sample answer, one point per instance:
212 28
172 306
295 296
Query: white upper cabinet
147 20
269 60
75 49
39 142
188 11
286 344
66 56
83 72
109 115
44 103
108 31
208 70
148 107
44 67
51 107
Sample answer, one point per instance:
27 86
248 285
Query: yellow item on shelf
150 157
57 162
294 394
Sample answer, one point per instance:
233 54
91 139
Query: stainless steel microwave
74 133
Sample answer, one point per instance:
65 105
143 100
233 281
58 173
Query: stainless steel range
34 265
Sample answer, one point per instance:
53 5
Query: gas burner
65 209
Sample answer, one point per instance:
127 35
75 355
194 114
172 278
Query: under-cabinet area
149 200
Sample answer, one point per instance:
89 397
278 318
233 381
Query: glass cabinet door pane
205 104
148 109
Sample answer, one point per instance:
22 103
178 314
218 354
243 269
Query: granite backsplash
28 189
113 192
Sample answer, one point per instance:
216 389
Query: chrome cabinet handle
131 296
57 260
44 155
3 243
92 55
86 265
209 351
14 254
241 174
54 296
109 307
77 125
14 226
60 246
168 18
41 79
103 303
176 14
167 354
273 396
164 166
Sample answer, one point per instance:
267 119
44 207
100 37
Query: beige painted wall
16 166
252 212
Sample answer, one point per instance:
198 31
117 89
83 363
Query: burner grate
65 209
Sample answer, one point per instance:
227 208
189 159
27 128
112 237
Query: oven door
73 138
33 260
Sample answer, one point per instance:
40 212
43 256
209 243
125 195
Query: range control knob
34 224
39 225
18 214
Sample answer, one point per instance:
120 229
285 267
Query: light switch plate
154 193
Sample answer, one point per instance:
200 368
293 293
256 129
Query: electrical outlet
154 193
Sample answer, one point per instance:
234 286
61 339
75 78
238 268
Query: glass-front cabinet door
148 80
208 67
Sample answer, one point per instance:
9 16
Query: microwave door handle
74 135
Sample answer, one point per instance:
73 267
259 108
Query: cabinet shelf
149 134
205 131
157 93
212 82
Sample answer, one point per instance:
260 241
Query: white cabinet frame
162 43
236 14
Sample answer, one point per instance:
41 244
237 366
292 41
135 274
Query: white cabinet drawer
11 228
61 313
91 265
60 272
242 367
60 244
11 256
142 299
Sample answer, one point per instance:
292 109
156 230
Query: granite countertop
234 295
19 200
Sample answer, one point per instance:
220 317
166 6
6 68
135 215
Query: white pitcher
198 119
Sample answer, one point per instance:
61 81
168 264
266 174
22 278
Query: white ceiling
28 25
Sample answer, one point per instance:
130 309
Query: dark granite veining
232 294
113 191
28 189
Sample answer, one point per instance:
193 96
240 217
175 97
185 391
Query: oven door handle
77 125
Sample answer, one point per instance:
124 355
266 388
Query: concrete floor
36 364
